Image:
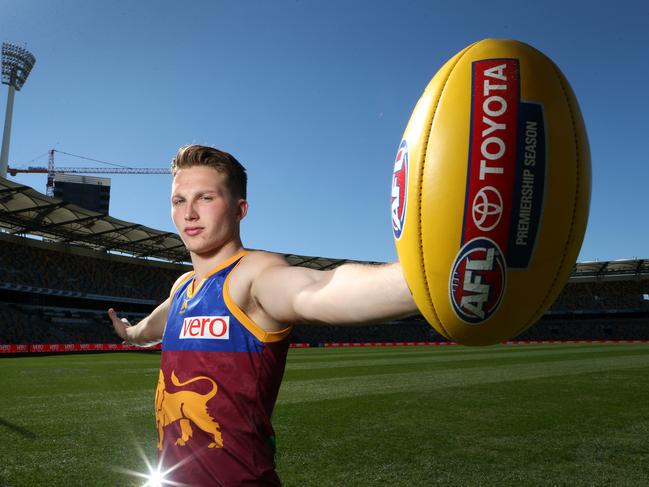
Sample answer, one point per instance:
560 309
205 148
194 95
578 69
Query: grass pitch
569 414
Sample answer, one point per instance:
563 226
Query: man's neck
204 263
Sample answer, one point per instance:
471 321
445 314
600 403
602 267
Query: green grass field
568 414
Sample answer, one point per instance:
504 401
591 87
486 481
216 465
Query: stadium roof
611 268
25 211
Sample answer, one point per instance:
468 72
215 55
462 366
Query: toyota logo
487 208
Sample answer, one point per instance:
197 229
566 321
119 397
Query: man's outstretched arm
147 332
352 294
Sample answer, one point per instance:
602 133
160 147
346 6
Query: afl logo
399 190
478 280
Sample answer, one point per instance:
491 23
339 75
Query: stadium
57 260
302 90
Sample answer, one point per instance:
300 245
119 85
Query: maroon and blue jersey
219 378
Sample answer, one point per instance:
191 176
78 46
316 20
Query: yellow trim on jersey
261 334
179 282
193 288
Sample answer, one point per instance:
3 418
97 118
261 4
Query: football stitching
421 179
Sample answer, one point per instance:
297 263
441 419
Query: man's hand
119 324
147 332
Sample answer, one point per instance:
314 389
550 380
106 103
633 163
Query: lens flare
155 477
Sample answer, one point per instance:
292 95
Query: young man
225 328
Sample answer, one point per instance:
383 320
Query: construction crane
51 171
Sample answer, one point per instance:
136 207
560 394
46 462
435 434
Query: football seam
421 182
535 315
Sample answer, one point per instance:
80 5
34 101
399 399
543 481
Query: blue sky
313 97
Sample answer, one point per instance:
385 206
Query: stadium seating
49 296
33 266
604 295
21 323
52 294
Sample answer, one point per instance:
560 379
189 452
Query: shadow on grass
17 428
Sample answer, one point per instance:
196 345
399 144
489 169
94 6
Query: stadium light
17 63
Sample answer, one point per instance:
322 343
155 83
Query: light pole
17 63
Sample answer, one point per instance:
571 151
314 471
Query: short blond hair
200 155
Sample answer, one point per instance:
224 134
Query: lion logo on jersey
187 407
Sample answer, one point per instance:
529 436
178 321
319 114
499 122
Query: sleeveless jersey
219 378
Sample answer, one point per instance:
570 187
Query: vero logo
206 327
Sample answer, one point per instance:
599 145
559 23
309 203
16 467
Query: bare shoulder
253 265
245 278
263 259
257 261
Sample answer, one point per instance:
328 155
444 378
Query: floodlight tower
17 63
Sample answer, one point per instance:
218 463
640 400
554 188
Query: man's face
202 208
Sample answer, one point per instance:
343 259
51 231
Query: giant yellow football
490 192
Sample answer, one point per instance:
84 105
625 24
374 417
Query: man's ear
242 209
